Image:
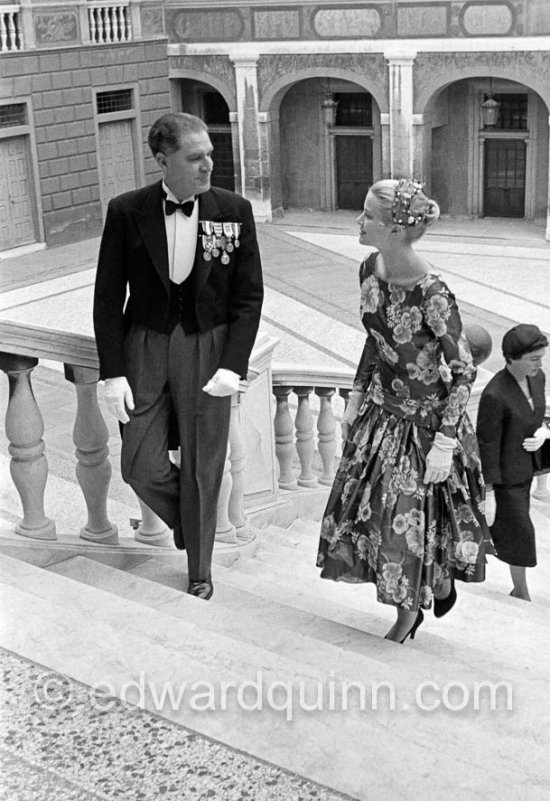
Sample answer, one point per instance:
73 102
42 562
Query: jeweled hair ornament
402 213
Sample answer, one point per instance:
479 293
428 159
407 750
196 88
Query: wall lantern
490 108
328 109
328 104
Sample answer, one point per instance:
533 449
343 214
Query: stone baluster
305 444
542 490
225 530
326 428
284 439
24 430
237 459
100 20
93 469
150 529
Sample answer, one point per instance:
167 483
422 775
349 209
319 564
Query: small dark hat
522 339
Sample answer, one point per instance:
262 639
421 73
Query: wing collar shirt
181 238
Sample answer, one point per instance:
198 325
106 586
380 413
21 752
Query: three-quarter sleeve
443 318
366 365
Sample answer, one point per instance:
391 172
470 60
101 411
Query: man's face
187 171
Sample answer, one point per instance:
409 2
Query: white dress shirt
181 238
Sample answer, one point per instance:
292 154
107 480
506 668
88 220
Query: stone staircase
287 641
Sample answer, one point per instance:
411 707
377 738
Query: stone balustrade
11 37
305 445
297 437
23 347
109 22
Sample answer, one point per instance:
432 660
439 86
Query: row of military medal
219 237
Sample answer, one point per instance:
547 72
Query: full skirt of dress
382 524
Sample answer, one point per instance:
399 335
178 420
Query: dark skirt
383 525
512 532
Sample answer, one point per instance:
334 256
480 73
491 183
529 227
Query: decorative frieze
277 24
425 19
198 25
56 28
490 18
346 23
152 21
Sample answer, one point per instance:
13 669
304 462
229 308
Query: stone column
548 204
385 127
401 113
24 430
253 143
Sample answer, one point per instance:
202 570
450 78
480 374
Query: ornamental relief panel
56 28
434 70
354 67
152 20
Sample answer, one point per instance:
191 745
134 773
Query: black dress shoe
444 605
178 539
201 589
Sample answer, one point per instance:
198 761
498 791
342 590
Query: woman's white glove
118 397
222 383
439 459
352 410
490 507
537 440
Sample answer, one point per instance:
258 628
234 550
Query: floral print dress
382 524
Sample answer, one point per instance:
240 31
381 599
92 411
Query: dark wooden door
223 174
504 178
353 170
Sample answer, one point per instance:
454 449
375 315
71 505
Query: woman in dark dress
511 436
406 507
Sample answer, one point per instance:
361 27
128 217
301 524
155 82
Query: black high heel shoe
444 605
412 631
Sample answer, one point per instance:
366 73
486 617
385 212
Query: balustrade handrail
22 339
291 374
107 3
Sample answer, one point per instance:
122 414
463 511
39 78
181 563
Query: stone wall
59 85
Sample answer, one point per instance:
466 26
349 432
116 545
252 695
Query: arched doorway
330 144
203 100
486 168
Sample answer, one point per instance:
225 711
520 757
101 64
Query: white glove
118 397
352 410
222 383
439 459
490 507
537 440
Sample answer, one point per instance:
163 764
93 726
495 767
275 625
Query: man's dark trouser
166 374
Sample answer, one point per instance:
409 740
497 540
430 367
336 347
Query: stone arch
435 73
226 91
274 92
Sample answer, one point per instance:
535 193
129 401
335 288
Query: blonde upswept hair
412 215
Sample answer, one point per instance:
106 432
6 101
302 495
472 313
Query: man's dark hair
166 132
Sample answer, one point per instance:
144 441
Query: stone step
340 661
475 622
297 546
97 638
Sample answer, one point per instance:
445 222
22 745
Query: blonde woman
406 507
